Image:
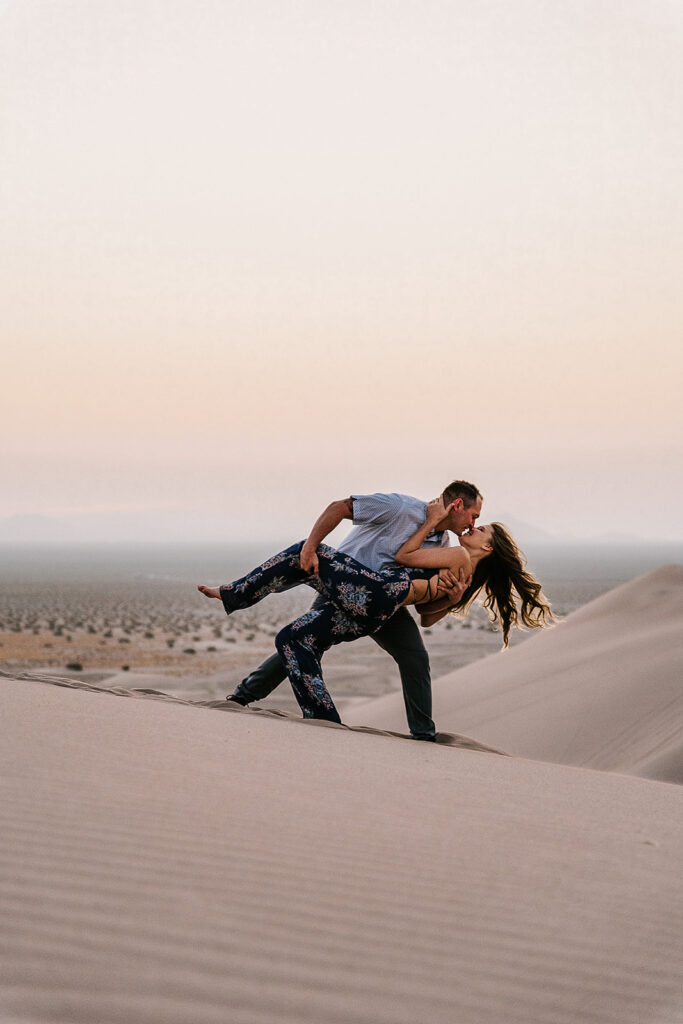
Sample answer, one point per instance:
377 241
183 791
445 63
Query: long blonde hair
503 574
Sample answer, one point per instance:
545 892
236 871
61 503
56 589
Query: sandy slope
602 689
164 863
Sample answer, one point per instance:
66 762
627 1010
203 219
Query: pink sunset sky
259 256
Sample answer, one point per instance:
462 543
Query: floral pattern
281 556
309 687
357 602
395 588
343 626
354 599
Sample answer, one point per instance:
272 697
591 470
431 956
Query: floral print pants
356 601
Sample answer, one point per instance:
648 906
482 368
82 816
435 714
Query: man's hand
453 585
324 524
308 559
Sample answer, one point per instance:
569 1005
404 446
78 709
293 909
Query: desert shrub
75 666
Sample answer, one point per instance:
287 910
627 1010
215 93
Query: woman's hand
412 554
436 511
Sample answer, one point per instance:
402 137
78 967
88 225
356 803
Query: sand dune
600 690
163 863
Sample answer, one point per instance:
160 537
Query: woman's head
512 593
478 541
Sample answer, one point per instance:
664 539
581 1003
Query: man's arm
432 611
452 585
324 524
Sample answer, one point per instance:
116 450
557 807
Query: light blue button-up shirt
381 523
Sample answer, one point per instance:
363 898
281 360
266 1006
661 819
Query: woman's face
479 540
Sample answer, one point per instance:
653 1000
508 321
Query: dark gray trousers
399 637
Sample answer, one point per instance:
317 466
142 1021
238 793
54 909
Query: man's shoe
237 700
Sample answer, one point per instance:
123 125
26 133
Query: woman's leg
279 572
301 646
362 594
366 596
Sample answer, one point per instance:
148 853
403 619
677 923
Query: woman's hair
500 574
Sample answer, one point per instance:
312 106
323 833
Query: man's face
462 519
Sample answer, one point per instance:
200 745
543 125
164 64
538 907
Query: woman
359 600
488 555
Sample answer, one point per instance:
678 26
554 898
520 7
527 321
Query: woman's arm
410 553
406 553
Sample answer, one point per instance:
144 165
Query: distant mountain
36 528
619 538
527 533
104 527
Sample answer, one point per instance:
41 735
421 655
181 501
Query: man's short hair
461 489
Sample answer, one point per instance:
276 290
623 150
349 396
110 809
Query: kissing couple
397 554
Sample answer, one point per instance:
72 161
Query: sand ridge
600 690
444 739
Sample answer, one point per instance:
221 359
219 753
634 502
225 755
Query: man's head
466 501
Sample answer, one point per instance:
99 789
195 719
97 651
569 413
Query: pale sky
257 256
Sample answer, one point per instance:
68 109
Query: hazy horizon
24 532
257 258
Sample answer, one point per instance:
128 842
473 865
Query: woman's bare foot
209 591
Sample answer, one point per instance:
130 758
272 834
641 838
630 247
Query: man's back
381 523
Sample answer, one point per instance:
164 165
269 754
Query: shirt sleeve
375 509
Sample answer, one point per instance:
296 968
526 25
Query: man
382 522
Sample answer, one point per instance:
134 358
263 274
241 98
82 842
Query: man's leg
400 637
260 683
